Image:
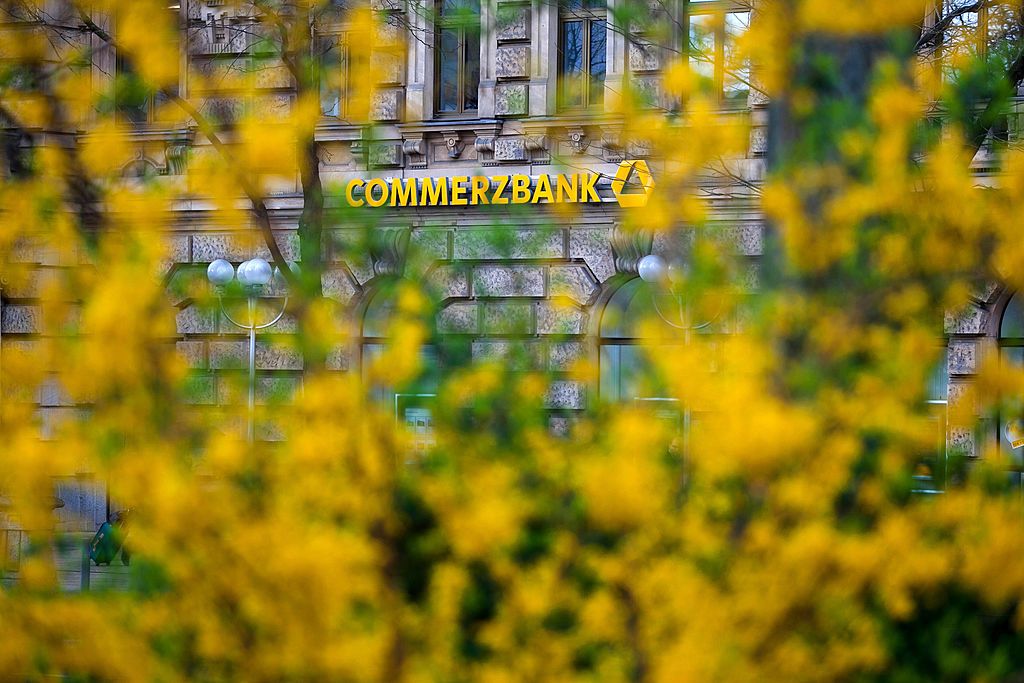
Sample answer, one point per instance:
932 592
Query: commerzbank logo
630 187
632 183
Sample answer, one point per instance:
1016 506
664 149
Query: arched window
624 373
1011 354
931 473
412 402
640 323
633 327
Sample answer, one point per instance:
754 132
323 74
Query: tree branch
934 32
259 207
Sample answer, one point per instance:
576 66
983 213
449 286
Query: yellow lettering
403 192
543 190
371 185
434 192
587 191
567 187
478 189
520 188
352 185
459 190
496 198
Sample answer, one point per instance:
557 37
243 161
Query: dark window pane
461 12
460 6
598 33
572 47
582 5
130 94
571 65
471 72
331 71
448 70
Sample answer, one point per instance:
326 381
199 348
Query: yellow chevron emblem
640 183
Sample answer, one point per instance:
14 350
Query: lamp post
253 275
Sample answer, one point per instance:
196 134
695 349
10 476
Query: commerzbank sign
630 187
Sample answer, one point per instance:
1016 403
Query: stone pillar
543 32
419 93
616 50
512 60
488 54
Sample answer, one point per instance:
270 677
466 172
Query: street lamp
253 275
664 276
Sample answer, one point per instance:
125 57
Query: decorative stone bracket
176 156
629 246
614 146
611 140
388 250
454 144
537 142
578 140
484 144
415 150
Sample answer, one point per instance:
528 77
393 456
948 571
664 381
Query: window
972 30
1011 354
458 56
714 29
627 323
135 100
582 36
931 473
376 333
333 64
637 327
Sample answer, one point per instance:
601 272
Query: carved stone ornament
358 148
388 249
638 148
453 142
140 166
484 144
612 140
176 155
414 147
629 246
415 151
578 140
537 143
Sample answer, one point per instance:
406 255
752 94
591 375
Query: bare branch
932 35
208 129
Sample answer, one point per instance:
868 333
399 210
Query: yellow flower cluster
764 521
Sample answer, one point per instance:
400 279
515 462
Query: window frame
931 478
148 108
341 42
718 10
1004 343
588 15
443 23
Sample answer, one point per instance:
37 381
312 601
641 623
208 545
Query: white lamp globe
259 272
652 268
677 272
243 274
279 278
220 272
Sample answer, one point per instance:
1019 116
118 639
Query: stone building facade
527 90
520 87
